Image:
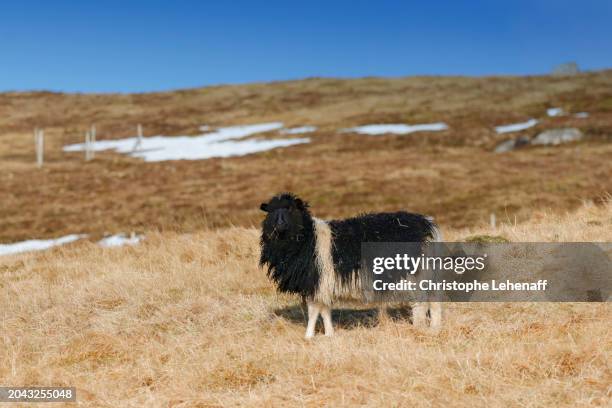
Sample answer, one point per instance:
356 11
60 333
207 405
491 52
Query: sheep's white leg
313 314
435 310
326 313
419 314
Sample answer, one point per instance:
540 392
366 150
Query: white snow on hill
37 244
515 127
119 240
218 143
398 128
554 112
298 130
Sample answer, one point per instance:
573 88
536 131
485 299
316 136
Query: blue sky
137 46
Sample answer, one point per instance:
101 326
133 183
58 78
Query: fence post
36 144
138 143
92 141
39 143
493 221
87 145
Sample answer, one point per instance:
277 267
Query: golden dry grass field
188 320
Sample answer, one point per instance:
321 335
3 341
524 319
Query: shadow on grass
348 318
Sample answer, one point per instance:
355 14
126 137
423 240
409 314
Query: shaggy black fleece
291 261
348 234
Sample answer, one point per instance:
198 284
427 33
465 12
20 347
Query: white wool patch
330 287
325 262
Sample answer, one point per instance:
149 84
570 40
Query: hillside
188 320
452 174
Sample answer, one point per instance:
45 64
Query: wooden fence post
92 141
39 143
87 145
138 143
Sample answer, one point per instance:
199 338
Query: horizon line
296 79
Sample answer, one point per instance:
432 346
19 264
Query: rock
511 144
521 141
569 68
505 146
557 136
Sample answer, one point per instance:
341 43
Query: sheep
320 260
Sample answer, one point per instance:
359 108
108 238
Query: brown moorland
452 175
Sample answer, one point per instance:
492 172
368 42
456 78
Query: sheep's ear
300 204
264 207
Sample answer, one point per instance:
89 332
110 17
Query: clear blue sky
133 46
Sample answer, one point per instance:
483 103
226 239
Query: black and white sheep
320 260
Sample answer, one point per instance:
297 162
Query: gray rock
569 68
521 141
511 144
557 136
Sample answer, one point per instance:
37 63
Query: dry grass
452 175
188 320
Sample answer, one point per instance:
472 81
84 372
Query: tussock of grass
189 320
486 239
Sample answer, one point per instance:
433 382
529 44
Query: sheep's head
285 219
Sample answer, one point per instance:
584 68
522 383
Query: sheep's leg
304 307
313 314
435 310
419 314
326 313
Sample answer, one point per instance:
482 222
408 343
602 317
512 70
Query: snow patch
515 127
119 240
298 130
214 144
37 244
397 128
554 112
582 115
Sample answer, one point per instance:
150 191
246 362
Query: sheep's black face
285 219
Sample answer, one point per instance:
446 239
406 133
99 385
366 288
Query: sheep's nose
281 222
